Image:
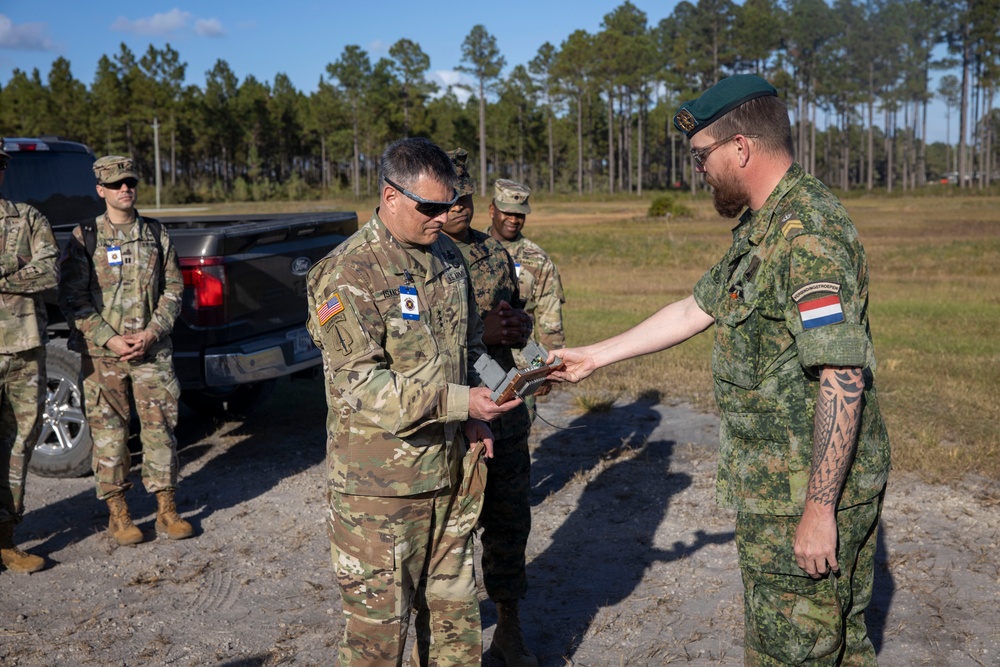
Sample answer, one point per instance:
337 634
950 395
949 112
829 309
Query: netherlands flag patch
818 312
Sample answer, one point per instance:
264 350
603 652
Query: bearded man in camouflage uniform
121 291
28 255
394 314
804 451
506 515
538 278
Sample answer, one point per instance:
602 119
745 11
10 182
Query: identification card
517 270
114 255
408 302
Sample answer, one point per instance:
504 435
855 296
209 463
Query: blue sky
299 38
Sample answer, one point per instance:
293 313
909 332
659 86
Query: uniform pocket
365 564
737 343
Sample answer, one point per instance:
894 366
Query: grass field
935 308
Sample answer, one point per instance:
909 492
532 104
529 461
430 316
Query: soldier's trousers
506 519
793 619
153 386
388 550
22 403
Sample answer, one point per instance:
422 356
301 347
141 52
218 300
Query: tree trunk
579 144
871 126
552 158
611 141
482 137
964 112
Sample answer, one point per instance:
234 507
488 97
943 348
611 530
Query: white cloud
24 37
161 24
378 47
446 78
209 28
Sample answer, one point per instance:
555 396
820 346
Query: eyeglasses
129 183
428 207
700 155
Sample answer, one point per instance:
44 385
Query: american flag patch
331 307
825 310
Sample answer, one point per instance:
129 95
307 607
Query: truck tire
64 446
235 401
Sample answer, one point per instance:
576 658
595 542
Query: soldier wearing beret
121 291
395 316
804 451
28 255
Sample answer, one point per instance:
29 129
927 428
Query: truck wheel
64 445
235 401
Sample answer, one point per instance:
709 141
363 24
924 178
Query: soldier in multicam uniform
121 292
506 515
28 255
393 312
537 275
804 451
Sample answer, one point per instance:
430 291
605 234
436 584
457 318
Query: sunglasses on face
700 155
428 207
129 183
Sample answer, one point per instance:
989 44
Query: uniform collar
760 221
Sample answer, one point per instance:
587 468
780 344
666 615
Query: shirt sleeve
75 299
41 272
548 307
168 306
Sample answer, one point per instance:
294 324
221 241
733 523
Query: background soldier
393 312
804 451
28 255
121 292
538 278
506 516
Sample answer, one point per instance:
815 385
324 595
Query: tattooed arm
835 433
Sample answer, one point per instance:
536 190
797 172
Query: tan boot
169 524
120 525
508 642
13 558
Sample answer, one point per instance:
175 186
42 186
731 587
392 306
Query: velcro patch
821 311
329 308
791 226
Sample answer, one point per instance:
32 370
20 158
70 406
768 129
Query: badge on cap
408 302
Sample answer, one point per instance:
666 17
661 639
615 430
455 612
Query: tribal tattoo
835 431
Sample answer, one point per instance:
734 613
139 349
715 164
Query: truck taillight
204 290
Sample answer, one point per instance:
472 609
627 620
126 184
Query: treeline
592 114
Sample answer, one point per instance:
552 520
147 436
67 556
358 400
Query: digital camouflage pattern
400 333
793 619
542 292
799 250
24 234
101 300
765 361
506 516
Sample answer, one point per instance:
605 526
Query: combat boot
508 641
13 558
169 524
120 524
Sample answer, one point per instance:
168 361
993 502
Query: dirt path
630 561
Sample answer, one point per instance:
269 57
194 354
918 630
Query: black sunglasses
428 207
129 183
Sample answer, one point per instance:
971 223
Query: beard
728 195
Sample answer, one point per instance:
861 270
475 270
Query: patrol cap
511 197
464 185
695 115
114 168
3 154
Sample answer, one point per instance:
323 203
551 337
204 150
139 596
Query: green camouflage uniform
404 494
101 300
26 233
799 251
506 516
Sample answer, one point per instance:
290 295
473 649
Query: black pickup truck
242 323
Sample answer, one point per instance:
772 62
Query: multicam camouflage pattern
542 292
114 168
25 233
511 196
765 361
22 402
403 491
397 388
506 516
464 184
101 300
153 386
792 619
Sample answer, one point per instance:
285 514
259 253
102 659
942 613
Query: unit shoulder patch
819 304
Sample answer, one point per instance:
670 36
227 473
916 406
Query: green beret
720 99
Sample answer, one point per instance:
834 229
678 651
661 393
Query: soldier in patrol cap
538 278
804 449
28 255
121 292
394 314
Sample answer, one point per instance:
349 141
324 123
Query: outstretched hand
577 364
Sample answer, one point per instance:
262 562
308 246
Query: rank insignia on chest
821 311
329 308
408 302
